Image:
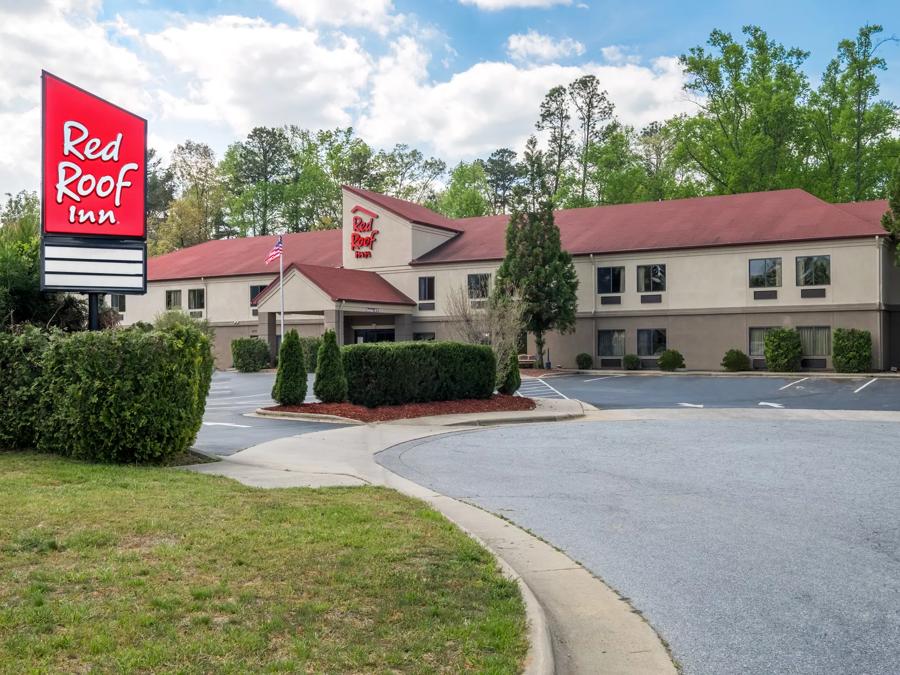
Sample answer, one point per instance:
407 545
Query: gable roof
339 283
868 211
415 213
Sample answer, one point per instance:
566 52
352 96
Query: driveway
751 545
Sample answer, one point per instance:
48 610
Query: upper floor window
117 302
173 299
196 299
426 289
255 289
814 270
651 278
610 280
765 273
479 286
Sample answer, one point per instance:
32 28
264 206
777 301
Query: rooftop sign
362 238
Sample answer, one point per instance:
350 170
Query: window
428 337
255 289
117 302
651 278
814 270
765 273
479 286
426 289
651 342
758 341
196 298
610 343
610 280
816 340
173 299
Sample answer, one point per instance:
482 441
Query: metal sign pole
93 311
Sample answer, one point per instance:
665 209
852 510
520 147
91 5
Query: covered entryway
364 335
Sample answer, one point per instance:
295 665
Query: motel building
700 275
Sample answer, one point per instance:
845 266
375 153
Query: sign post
93 195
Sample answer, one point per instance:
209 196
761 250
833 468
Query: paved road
752 548
227 428
667 391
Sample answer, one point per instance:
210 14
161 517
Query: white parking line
691 405
594 379
226 424
865 385
791 384
771 405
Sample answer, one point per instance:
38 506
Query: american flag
276 251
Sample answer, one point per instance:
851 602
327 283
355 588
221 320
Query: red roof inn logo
362 238
93 164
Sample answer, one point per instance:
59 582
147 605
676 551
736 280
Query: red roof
727 220
868 211
246 256
344 284
415 213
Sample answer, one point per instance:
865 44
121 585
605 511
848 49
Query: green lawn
118 569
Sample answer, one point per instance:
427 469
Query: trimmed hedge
311 347
125 395
584 361
508 377
852 350
330 385
783 350
736 361
631 362
393 373
290 381
21 357
671 359
249 354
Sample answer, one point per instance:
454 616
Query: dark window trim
797 260
192 292
637 279
621 279
430 295
651 330
612 330
750 274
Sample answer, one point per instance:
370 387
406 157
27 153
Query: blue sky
456 78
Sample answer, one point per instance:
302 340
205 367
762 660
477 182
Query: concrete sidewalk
576 623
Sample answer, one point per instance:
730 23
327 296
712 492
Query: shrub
330 385
735 361
310 347
584 361
249 354
175 317
852 350
290 381
783 350
631 362
124 395
392 373
21 356
671 359
508 378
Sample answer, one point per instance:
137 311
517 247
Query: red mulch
497 403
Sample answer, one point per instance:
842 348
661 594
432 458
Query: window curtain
816 340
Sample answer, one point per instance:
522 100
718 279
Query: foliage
783 350
290 380
593 108
671 359
631 362
249 354
852 350
584 361
311 347
891 218
393 373
468 193
330 385
736 361
21 355
172 318
502 174
124 396
508 377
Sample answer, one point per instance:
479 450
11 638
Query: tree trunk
539 344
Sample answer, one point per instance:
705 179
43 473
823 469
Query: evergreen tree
891 218
330 385
290 381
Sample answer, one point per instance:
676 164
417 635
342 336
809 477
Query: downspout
882 343
594 342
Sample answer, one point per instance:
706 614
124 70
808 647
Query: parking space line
770 405
856 391
594 379
791 384
557 391
691 405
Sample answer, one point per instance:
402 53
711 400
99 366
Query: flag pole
281 288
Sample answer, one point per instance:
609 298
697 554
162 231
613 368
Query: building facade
700 275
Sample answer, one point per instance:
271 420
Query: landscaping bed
126 569
386 413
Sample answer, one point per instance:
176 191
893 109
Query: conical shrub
509 379
330 385
290 382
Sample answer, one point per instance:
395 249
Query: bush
735 361
290 381
175 317
671 359
20 364
783 350
631 362
392 373
508 378
249 354
330 385
852 350
584 361
311 347
126 395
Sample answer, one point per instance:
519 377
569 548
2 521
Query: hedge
20 364
124 395
736 361
783 350
290 380
249 355
310 346
671 359
852 350
393 373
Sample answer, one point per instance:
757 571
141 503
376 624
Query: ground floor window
816 340
428 337
651 341
758 340
479 286
117 302
610 343
173 299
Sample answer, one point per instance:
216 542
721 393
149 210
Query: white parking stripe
557 391
791 384
691 405
865 385
771 405
226 424
594 379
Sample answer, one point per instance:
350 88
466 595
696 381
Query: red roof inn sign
363 235
93 195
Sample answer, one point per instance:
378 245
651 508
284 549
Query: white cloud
373 14
534 46
495 5
616 54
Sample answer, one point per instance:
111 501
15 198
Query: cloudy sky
456 78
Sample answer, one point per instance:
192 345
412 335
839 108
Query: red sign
362 238
94 164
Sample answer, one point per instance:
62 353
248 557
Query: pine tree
330 385
290 381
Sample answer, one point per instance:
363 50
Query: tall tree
535 186
467 193
502 174
160 193
555 120
615 173
594 110
891 218
408 174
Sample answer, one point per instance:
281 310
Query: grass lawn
112 569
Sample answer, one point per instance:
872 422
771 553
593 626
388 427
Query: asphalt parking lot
687 391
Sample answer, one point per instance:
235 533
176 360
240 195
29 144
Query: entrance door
362 335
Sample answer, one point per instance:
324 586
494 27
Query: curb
815 374
307 417
429 420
